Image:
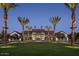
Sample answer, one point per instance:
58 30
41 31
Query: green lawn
40 49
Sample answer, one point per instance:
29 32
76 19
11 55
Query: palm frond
48 27
7 6
23 21
55 20
71 6
28 27
19 19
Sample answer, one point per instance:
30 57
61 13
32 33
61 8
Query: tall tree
72 7
23 22
29 29
48 30
54 21
6 7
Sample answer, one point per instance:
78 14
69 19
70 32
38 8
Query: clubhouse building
38 35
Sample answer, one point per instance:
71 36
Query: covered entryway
38 36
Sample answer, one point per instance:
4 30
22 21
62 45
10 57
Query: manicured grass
7 46
40 49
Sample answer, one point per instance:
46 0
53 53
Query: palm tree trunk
23 33
5 28
28 34
48 36
54 34
73 28
54 29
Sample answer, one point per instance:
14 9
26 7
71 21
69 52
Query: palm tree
23 22
29 29
54 21
6 7
48 29
72 7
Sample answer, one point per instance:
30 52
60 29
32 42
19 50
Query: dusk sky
39 14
